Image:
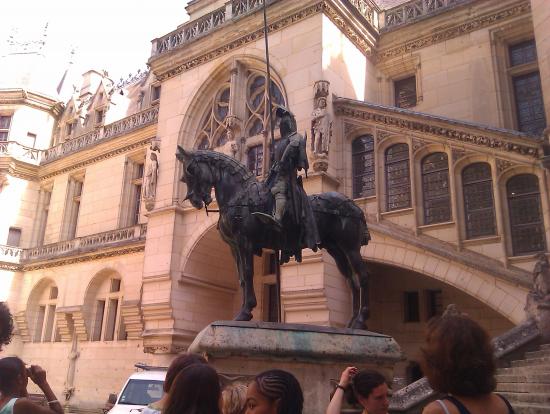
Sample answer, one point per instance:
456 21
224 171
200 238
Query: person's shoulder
433 408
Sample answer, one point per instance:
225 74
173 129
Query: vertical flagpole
272 155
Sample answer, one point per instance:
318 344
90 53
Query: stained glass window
362 165
524 207
212 127
398 183
435 188
524 52
257 102
529 103
479 206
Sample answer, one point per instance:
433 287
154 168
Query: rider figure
290 197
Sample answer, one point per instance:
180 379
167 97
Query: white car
141 389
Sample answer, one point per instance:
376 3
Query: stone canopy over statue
277 214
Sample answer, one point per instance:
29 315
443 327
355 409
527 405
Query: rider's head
288 122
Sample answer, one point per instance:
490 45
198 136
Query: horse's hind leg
360 272
344 267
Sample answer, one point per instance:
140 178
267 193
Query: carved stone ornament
417 144
382 135
321 90
503 165
538 299
320 164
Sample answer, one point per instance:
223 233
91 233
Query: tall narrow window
39 323
45 305
98 320
155 93
271 303
527 87
405 92
435 188
5 123
411 306
41 216
526 222
70 128
14 237
255 159
398 182
72 207
434 303
479 206
362 166
133 185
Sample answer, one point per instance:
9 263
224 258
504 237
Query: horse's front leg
360 272
247 277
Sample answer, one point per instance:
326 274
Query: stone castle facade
431 114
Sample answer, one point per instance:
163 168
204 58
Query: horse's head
198 177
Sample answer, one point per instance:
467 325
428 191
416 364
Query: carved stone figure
73 356
321 127
541 277
151 176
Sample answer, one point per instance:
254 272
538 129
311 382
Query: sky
114 35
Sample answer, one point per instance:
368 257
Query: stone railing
367 9
10 254
415 9
420 392
85 244
20 152
128 124
194 29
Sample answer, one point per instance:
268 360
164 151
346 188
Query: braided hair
280 385
6 325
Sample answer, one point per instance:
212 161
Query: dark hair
11 368
280 385
458 357
6 324
178 364
363 383
196 390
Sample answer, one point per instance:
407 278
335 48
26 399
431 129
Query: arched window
103 307
435 188
257 102
362 166
42 307
398 180
526 223
479 206
212 125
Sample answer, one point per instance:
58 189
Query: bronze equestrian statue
277 214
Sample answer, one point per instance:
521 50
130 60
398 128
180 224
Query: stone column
540 10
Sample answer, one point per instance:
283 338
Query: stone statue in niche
541 277
150 181
321 128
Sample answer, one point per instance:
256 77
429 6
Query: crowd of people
457 359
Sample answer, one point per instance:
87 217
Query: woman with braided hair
274 392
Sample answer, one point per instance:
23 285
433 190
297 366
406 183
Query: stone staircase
526 383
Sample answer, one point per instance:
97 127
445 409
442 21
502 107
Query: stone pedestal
314 354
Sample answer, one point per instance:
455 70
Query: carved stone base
316 355
320 182
539 309
320 164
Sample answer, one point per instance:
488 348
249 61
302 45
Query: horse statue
242 201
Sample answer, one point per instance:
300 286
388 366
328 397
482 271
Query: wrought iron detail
398 180
363 166
435 188
524 207
479 205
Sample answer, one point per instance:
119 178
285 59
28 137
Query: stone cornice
444 32
452 130
19 169
33 99
71 166
357 32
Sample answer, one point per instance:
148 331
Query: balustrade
10 254
123 126
20 152
414 9
81 244
205 24
367 10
